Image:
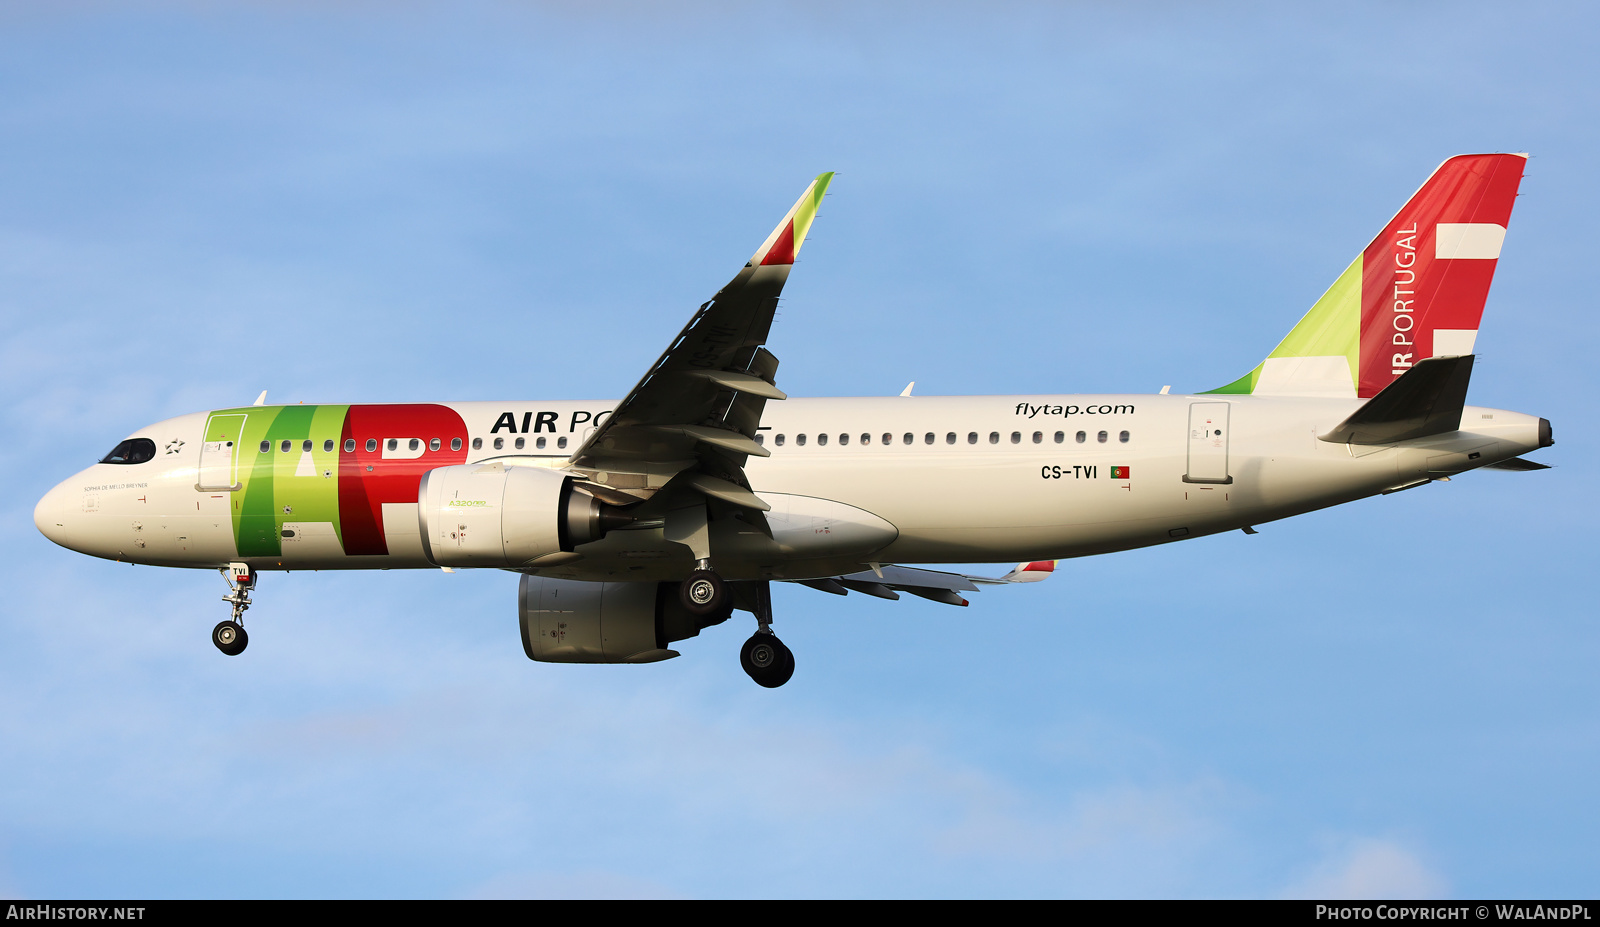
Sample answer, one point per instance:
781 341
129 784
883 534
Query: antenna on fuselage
261 400
907 390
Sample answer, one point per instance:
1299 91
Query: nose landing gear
229 636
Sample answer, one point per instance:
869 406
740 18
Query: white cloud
1370 868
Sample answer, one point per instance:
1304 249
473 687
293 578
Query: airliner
639 523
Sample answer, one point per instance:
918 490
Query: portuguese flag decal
1121 473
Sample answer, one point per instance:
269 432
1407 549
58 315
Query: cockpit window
132 451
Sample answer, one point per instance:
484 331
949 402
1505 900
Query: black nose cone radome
1544 433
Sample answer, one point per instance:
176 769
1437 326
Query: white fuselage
916 479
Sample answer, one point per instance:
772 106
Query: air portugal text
1405 260
536 422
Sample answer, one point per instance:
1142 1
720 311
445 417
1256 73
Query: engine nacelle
567 621
491 515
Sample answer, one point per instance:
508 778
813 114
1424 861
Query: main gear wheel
767 660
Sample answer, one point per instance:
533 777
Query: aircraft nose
53 515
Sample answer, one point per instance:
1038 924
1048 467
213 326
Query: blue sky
365 202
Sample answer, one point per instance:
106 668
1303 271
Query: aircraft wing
693 417
888 581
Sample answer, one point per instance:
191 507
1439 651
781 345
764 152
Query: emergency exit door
1208 443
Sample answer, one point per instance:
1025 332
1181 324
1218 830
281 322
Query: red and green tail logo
1417 291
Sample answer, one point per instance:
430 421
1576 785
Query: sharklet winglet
783 245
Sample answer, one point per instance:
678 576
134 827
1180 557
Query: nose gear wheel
230 638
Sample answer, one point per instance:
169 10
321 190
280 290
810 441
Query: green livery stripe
1332 328
296 485
1245 384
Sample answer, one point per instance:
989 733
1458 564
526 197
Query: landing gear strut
229 636
763 656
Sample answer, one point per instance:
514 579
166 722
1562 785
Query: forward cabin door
219 454
1208 443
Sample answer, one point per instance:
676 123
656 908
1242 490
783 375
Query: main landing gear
229 636
705 593
766 659
763 656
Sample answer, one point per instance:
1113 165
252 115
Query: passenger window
477 444
327 446
372 445
800 440
1038 437
908 438
499 444
844 439
761 439
349 445
139 450
1123 437
972 437
950 438
522 442
1016 437
1082 437
778 440
394 445
455 444
994 437
927 438
305 446
433 444
822 440
561 441
286 445
888 439
414 444
266 447
866 439
1101 437
1061 436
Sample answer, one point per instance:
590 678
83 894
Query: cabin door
1208 443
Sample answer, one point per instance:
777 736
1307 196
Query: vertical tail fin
1417 291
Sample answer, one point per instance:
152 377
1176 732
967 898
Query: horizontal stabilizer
1518 464
1425 400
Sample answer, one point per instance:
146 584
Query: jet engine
567 621
491 515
